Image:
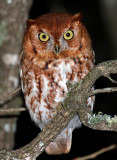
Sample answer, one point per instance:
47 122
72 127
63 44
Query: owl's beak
57 49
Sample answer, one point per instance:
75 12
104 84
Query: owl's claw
62 145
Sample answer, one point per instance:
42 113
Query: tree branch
94 155
75 103
7 111
103 90
10 96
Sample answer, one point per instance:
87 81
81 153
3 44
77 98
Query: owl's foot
60 146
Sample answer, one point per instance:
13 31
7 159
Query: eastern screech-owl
56 49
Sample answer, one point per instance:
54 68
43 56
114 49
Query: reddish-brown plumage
48 64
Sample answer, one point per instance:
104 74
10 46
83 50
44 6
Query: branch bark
75 103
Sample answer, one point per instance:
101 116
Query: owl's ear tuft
77 17
30 22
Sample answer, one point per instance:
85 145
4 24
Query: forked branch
75 103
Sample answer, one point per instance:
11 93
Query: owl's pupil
67 34
44 36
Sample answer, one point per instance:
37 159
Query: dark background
98 19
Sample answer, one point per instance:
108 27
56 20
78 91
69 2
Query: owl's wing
21 57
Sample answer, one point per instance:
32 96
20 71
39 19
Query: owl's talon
62 145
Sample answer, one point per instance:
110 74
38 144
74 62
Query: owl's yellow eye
43 37
68 35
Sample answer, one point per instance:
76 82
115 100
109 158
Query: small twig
103 90
94 155
109 77
10 110
16 91
112 80
9 96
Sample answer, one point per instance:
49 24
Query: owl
56 49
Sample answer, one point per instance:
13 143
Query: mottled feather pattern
45 90
56 49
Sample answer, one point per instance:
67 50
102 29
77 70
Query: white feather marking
21 72
46 88
62 70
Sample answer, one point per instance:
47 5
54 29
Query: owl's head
56 36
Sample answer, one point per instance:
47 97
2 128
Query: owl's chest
54 80
49 86
44 90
